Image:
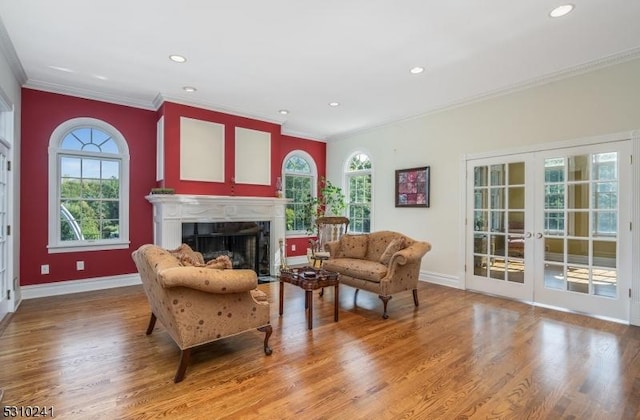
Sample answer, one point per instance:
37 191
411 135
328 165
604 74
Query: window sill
60 249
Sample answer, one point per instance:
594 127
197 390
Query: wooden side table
310 279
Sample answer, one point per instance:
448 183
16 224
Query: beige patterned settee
198 304
383 262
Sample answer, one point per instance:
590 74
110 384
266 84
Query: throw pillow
222 262
393 247
354 246
187 260
186 255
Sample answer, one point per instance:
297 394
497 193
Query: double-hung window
89 187
358 177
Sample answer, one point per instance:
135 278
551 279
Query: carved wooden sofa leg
415 297
267 329
152 323
385 300
355 297
182 367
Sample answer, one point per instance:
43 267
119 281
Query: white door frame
7 122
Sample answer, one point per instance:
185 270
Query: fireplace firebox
245 243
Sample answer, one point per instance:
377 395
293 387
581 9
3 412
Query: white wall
11 92
602 101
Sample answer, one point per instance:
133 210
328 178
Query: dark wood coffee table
310 279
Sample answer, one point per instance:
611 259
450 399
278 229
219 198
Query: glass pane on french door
576 198
582 229
499 234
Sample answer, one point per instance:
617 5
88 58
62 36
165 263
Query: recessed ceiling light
64 69
189 89
284 111
334 103
100 77
417 70
177 58
561 10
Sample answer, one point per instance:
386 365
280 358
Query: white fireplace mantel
170 211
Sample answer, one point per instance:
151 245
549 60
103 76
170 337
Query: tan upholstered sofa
198 304
383 262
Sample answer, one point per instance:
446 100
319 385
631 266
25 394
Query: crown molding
6 46
303 135
161 98
566 73
89 94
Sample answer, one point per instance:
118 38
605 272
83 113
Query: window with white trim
300 180
359 192
88 188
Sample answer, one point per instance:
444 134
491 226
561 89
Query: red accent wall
42 112
172 113
281 146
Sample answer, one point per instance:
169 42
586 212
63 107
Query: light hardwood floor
459 355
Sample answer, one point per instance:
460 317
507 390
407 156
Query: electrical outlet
44 269
79 265
293 247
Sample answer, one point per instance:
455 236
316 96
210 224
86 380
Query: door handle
538 235
528 235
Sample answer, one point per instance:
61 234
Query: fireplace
175 214
245 243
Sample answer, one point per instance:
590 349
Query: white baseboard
441 279
75 286
101 283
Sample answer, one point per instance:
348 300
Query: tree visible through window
359 193
89 199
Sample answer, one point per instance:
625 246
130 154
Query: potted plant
330 201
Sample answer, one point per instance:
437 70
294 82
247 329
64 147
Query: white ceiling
255 57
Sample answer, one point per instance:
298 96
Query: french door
552 228
499 226
4 243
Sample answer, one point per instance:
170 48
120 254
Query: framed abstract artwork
412 187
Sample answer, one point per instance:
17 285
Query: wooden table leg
309 299
336 301
281 297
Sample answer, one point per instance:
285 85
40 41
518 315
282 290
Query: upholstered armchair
198 304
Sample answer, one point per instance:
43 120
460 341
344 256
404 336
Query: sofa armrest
412 253
333 248
209 280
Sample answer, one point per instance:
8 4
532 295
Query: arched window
300 180
88 188
359 192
